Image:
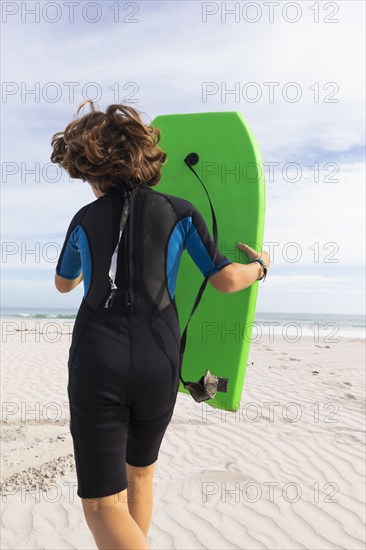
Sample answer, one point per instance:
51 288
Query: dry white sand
284 472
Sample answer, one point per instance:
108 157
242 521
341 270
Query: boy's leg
140 494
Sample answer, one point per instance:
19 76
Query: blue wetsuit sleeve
69 262
200 246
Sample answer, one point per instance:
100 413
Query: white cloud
169 54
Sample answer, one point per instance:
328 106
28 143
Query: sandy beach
286 471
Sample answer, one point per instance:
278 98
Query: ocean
323 325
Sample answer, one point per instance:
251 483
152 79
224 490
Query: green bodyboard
231 168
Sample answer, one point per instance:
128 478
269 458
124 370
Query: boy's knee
99 504
139 471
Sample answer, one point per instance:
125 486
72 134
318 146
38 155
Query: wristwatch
264 267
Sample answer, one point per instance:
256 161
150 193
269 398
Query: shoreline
16 325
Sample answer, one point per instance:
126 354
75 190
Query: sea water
327 326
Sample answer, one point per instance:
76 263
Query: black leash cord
203 286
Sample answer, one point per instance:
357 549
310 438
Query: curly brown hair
103 148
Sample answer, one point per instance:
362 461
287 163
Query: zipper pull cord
113 266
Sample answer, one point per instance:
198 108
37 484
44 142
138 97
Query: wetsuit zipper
129 257
128 300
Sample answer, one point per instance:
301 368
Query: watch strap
265 268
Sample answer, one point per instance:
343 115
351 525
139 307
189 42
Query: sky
186 57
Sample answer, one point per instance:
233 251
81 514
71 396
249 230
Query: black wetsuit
123 361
